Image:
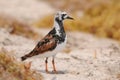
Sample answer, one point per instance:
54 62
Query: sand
88 59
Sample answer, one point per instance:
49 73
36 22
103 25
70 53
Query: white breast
61 46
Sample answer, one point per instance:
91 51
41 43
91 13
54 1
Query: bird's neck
59 26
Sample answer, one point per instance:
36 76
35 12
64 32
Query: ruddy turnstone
52 43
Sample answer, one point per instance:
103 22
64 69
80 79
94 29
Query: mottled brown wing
48 43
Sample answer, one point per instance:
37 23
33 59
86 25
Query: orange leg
53 63
46 65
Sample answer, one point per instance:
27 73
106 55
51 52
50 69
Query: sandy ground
90 58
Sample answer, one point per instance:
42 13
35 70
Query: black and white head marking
60 16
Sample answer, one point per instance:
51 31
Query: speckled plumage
53 42
48 43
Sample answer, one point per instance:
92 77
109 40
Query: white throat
57 27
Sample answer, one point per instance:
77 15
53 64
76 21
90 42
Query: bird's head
60 16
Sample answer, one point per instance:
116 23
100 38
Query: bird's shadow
51 72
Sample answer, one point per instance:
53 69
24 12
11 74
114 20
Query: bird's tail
23 58
27 55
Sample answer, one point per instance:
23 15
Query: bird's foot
47 71
54 71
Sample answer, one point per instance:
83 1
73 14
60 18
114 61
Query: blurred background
98 17
24 22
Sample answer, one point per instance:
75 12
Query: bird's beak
70 18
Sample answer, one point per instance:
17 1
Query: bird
52 43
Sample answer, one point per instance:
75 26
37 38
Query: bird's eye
63 14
